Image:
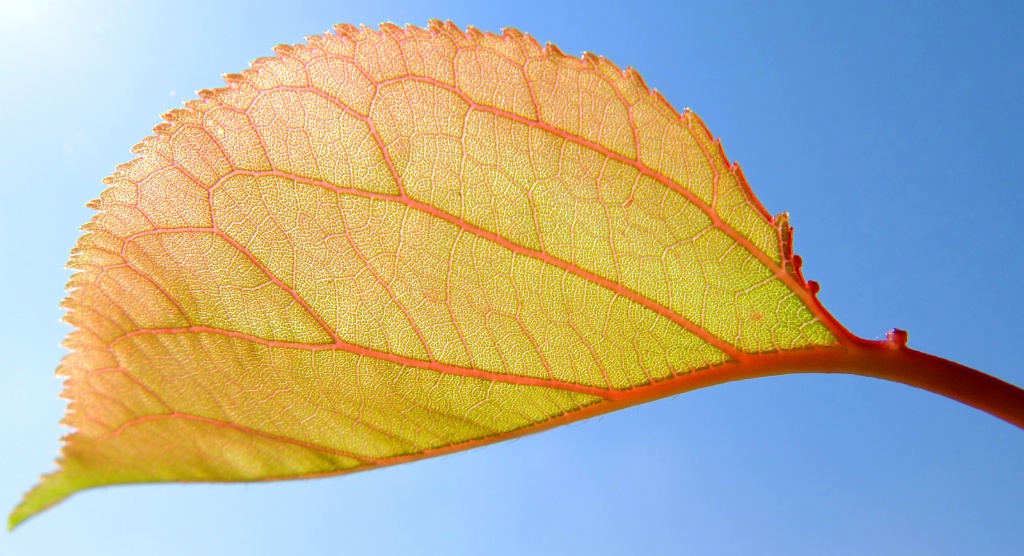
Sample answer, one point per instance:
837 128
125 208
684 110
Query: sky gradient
893 137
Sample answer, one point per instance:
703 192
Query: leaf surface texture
396 243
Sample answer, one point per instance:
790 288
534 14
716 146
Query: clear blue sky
893 133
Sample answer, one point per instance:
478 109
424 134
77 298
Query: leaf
389 245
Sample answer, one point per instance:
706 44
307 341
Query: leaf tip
52 489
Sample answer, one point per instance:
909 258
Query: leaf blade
203 246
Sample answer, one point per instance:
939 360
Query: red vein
255 261
361 351
542 256
387 288
642 168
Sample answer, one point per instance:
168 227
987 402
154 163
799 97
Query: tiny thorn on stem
897 338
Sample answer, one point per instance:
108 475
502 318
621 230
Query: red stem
885 360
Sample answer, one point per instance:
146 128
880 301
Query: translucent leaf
388 245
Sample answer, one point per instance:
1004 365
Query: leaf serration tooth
512 33
554 51
258 63
636 78
390 29
346 30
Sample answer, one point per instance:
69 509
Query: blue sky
891 133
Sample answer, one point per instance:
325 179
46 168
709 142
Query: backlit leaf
388 245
